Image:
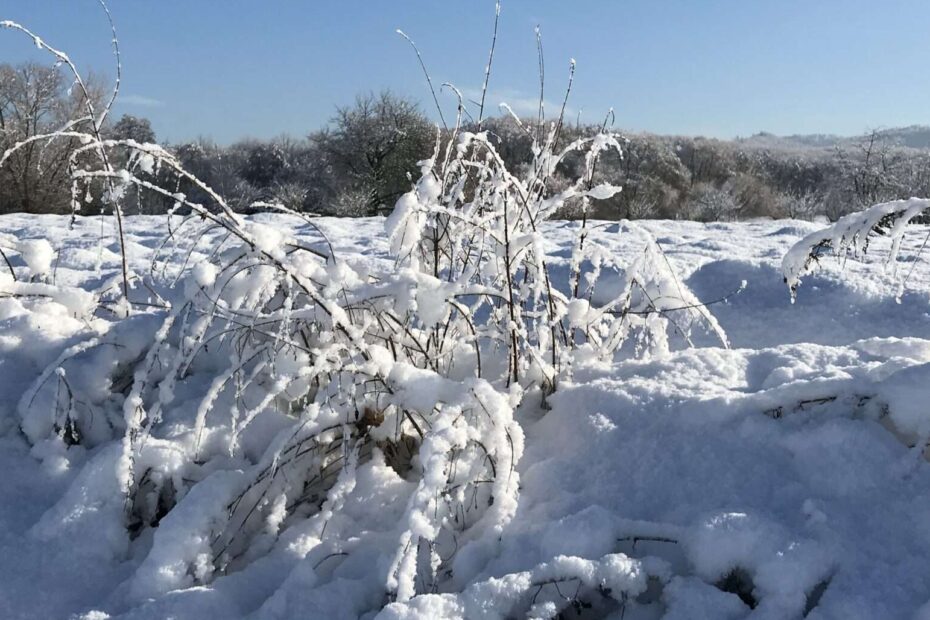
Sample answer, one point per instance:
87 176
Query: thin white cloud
140 100
521 103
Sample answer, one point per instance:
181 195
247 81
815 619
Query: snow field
773 479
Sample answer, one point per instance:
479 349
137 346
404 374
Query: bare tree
372 148
36 99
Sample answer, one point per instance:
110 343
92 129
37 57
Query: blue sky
229 69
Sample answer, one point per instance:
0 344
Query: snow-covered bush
254 390
468 237
850 236
708 203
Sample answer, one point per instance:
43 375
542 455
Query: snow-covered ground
779 467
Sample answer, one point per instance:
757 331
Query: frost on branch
850 236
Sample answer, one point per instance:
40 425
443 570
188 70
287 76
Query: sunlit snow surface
728 452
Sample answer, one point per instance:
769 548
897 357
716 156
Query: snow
38 255
204 274
791 460
183 539
602 192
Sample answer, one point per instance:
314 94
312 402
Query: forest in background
366 157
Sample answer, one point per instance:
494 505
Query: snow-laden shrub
468 238
610 582
850 236
239 387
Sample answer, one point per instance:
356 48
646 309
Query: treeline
365 158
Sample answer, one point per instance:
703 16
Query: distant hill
913 136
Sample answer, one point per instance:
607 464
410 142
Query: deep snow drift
773 479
